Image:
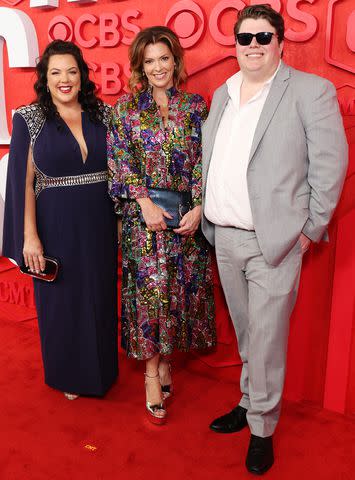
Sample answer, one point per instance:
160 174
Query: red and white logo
340 41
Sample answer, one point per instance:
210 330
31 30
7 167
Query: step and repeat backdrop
320 38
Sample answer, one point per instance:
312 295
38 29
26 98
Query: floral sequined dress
167 290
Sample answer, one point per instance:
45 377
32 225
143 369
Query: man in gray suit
274 162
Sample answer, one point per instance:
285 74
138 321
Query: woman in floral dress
155 141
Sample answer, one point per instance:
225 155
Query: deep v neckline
83 160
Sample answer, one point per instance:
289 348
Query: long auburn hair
87 96
152 35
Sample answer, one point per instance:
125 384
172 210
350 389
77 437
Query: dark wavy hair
87 96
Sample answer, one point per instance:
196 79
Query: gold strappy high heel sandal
167 389
156 413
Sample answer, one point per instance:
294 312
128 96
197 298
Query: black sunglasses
263 38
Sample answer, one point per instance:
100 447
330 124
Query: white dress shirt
227 198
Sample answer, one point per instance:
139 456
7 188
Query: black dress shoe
260 455
231 422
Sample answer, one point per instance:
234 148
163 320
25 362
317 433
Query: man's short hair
262 11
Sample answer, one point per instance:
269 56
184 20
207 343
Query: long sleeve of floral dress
125 175
197 118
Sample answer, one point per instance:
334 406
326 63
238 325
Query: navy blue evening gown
77 313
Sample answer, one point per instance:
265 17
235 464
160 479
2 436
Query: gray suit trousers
260 299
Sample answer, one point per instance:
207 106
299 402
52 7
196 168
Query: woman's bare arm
32 246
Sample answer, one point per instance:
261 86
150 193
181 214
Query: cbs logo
340 41
188 21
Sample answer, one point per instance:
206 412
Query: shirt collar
235 81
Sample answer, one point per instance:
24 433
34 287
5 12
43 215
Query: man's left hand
305 243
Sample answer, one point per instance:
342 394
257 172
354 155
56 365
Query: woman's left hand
189 222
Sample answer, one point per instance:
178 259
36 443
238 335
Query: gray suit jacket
297 162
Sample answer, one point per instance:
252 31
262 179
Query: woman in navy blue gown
57 205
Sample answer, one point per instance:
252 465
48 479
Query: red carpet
44 436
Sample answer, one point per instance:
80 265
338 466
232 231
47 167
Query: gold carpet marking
92 448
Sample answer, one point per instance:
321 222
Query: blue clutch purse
174 202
